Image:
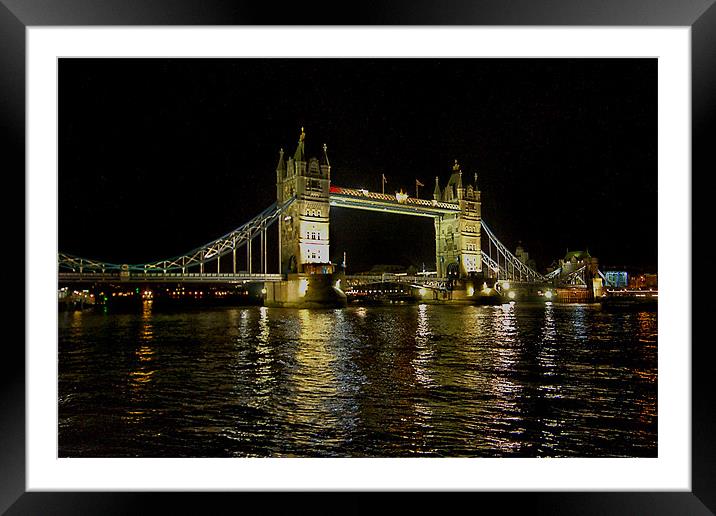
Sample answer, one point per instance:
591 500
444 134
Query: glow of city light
548 294
511 294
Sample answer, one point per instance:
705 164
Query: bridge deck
159 277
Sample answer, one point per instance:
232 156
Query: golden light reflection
425 351
546 351
264 358
422 366
313 380
549 330
76 320
507 392
141 376
264 332
647 322
147 332
144 353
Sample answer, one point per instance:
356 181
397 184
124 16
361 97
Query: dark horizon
159 156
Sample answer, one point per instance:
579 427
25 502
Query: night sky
158 156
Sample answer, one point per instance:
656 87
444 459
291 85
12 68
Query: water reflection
580 322
144 353
429 380
424 370
142 374
424 348
264 356
310 406
263 325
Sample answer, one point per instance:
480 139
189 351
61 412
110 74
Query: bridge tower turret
280 176
457 236
304 226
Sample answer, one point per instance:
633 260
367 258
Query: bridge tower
457 236
304 227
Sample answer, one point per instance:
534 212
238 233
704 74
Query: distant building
524 257
617 279
644 281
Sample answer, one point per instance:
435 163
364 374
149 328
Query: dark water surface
421 380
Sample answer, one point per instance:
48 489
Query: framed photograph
427 252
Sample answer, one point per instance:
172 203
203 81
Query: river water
397 381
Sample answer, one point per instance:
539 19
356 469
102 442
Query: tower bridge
468 254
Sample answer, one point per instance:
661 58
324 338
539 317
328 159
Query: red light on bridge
335 189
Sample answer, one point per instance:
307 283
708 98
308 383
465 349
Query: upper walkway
398 203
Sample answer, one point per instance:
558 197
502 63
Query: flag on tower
418 183
382 183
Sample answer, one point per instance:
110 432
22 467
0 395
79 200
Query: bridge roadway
240 277
430 282
169 277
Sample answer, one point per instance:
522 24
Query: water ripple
427 380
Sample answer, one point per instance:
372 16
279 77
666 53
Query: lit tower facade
457 236
304 225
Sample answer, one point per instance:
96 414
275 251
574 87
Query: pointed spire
475 180
300 154
281 167
436 192
456 167
459 179
324 156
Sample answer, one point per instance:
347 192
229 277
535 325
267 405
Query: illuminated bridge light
302 287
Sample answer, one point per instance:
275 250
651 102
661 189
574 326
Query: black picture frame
17 15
